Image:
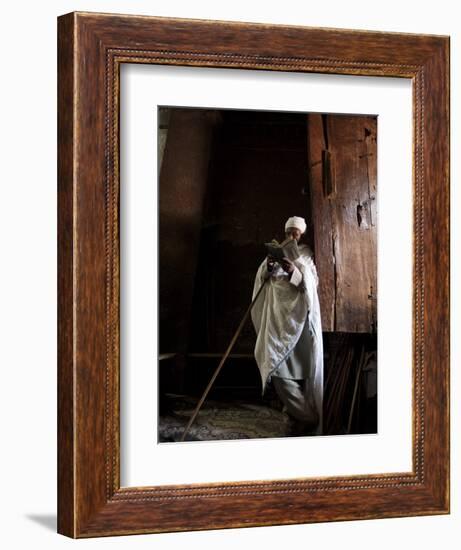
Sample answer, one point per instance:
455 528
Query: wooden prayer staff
226 354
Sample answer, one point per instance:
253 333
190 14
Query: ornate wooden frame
91 49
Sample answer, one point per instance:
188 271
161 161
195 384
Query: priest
289 347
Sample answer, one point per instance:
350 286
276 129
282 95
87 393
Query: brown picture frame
91 48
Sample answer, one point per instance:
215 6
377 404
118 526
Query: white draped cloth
286 317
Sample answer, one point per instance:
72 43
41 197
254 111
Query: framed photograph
253 254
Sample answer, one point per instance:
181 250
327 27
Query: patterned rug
217 421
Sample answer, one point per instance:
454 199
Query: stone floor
222 420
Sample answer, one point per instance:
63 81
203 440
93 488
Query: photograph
267 270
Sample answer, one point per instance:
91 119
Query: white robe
288 306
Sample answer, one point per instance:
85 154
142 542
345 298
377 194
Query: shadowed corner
48 521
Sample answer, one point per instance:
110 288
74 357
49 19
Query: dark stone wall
257 179
182 188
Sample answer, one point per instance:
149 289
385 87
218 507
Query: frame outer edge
66 524
92 378
437 265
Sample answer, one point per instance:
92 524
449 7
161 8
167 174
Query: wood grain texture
342 149
91 502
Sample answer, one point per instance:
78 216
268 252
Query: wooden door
343 177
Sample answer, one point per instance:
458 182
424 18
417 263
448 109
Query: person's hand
270 263
287 265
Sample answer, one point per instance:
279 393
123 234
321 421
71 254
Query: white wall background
28 272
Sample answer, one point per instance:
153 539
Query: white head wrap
297 222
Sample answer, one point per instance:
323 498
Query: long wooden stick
363 360
223 360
